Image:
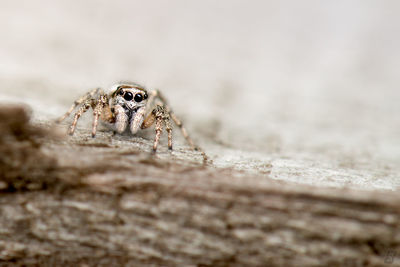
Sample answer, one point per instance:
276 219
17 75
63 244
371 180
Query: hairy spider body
128 107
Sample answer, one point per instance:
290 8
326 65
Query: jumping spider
128 106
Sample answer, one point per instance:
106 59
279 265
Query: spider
128 106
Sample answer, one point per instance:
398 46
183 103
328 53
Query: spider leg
86 105
163 114
168 127
102 102
159 127
78 102
149 120
187 137
177 121
160 117
185 134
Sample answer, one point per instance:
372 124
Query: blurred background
305 91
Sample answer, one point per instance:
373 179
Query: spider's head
130 96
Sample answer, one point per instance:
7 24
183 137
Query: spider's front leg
95 99
178 122
84 99
98 109
160 116
85 106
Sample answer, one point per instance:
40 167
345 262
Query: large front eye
138 97
128 96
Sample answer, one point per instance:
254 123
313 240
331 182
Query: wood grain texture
101 202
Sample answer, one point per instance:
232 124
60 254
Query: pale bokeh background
306 91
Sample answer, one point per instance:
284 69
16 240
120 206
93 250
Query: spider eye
121 92
145 96
138 97
128 96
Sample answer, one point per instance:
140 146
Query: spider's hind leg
185 134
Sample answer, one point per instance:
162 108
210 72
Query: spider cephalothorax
128 106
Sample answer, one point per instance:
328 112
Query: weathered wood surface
103 202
